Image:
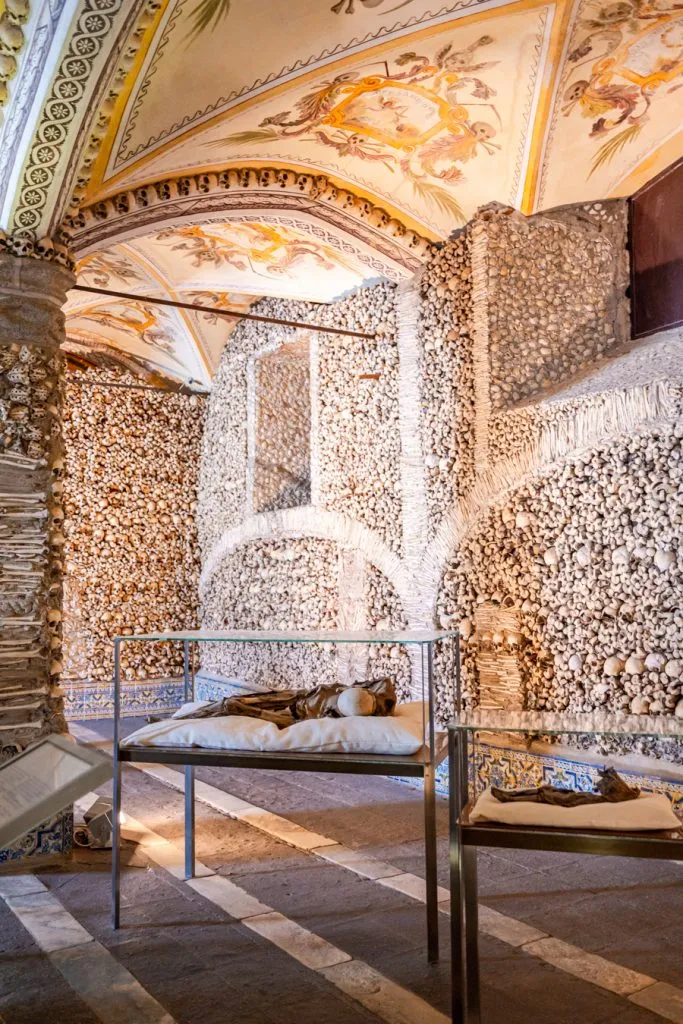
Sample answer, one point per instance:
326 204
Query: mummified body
284 707
611 789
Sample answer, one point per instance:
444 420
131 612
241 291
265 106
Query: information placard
44 779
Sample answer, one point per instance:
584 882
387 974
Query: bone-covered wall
498 457
130 552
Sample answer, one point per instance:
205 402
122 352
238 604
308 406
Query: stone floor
281 931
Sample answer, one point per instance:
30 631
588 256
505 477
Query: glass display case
467 832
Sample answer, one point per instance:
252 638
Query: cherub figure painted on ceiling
422 117
626 53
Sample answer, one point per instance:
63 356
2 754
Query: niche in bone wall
130 551
355 441
556 297
590 553
281 473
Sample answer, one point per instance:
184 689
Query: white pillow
649 811
400 733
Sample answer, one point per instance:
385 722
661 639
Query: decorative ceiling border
95 33
326 56
133 210
94 24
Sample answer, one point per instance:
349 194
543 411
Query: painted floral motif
259 248
633 49
136 319
349 6
220 300
98 270
422 119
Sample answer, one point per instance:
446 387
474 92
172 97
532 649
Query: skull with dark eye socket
576 91
483 130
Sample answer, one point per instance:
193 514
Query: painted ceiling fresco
222 265
427 108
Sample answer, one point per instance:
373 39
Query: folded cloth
651 811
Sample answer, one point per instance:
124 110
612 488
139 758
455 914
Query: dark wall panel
657 253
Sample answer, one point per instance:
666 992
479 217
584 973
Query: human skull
45 248
11 36
8 67
20 245
17 11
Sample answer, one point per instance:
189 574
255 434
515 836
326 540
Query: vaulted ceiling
426 109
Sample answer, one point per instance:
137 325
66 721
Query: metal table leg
427 655
189 821
458 1013
430 864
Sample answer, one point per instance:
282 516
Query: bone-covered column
32 292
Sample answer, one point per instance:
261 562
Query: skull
267 177
19 394
286 179
34 450
61 256
54 617
11 36
21 246
18 374
8 67
57 469
17 11
45 248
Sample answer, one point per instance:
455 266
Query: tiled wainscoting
52 837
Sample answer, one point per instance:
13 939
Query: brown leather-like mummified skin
611 789
284 707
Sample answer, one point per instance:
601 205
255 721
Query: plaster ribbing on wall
414 502
352 658
308 521
414 511
481 367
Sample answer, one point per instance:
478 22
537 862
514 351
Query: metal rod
129 387
235 314
116 802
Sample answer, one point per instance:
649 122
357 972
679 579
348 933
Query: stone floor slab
304 946
662 999
588 966
229 897
356 861
391 1002
107 987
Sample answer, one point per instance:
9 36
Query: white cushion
400 733
649 811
